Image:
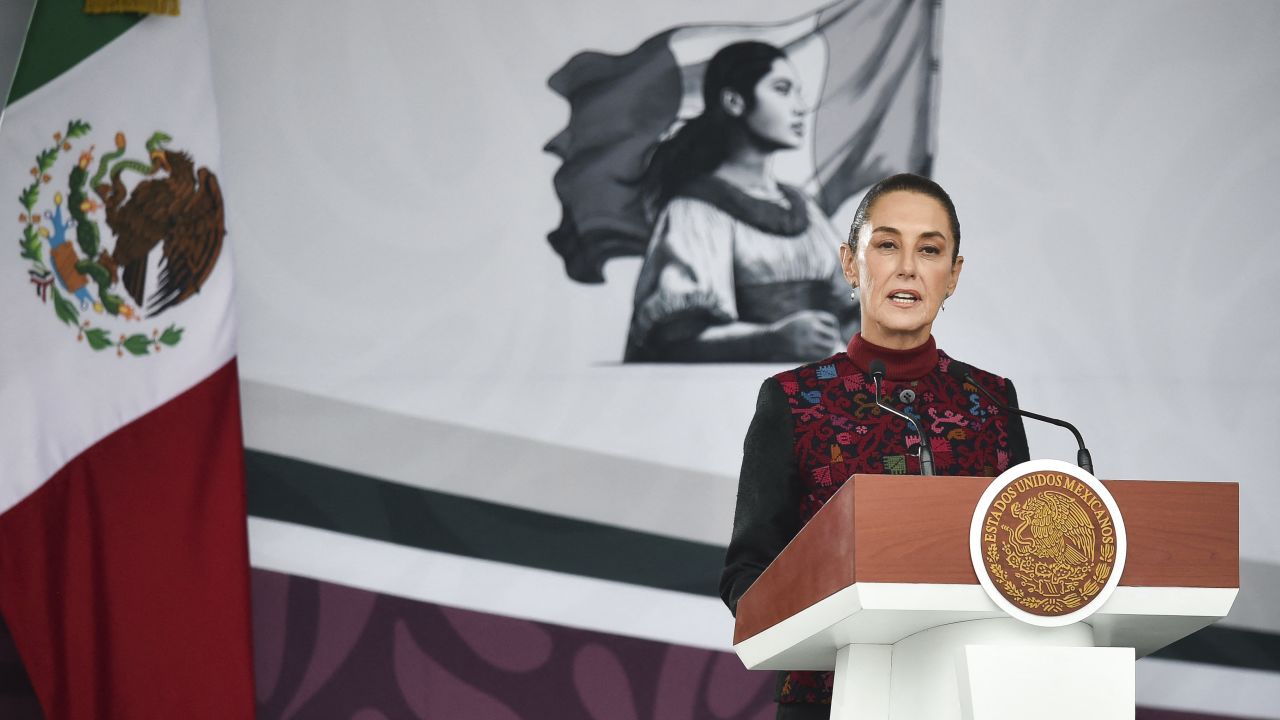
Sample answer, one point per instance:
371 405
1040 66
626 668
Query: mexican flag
123 553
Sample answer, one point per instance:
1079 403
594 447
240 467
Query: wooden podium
879 586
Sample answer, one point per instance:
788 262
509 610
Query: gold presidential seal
1048 540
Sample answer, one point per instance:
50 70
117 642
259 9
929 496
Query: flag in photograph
867 66
123 555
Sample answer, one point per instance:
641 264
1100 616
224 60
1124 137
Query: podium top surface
915 530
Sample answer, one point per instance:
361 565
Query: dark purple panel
328 651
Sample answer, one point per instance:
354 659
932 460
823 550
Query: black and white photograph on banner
473 360
721 153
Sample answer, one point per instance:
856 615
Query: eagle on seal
180 210
1060 528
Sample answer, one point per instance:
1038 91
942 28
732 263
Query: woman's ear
956 267
732 102
849 262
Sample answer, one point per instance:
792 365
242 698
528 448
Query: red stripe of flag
124 578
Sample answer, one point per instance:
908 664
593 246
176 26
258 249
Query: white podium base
1047 683
989 669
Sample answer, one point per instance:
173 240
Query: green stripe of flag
61 35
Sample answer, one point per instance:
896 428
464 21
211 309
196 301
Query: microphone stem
925 452
1083 459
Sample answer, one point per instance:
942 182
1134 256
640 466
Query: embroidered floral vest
839 431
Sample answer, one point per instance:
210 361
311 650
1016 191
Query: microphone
960 371
926 453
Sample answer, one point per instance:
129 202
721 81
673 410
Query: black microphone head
877 369
958 370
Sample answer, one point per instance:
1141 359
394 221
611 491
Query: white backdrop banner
411 338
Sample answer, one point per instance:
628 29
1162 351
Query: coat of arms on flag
91 221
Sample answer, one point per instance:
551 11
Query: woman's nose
907 264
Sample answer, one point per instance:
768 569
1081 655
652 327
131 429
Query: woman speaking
740 267
818 424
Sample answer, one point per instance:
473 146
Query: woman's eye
886 245
930 250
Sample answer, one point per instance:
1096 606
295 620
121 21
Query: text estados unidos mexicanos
1055 480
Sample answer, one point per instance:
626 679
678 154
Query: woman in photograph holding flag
740 267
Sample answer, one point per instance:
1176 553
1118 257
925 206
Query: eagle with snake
1059 529
178 207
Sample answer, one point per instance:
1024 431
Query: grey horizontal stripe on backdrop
548 507
15 16
486 465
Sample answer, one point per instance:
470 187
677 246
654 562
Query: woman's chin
900 325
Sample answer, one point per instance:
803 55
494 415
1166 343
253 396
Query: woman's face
778 115
903 268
